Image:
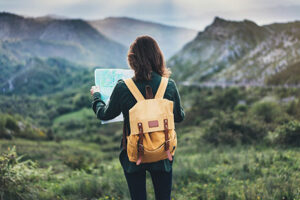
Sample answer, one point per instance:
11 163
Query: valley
239 87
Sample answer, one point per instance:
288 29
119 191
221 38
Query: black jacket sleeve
177 109
112 109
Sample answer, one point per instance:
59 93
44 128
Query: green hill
38 76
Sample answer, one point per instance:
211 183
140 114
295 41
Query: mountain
290 75
124 30
72 39
238 52
48 54
42 76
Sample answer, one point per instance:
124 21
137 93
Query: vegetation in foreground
235 143
201 171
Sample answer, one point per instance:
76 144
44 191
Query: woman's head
145 56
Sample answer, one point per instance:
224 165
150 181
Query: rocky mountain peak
219 21
7 14
238 51
222 29
230 25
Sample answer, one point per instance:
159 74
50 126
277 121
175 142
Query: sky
195 14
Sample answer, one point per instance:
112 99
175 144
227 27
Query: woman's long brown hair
145 56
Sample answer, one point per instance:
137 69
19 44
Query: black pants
162 183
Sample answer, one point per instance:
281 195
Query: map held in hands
106 79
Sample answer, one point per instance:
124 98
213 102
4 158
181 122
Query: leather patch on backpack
152 124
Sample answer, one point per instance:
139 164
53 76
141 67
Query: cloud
189 13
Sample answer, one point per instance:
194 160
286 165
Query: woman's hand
95 89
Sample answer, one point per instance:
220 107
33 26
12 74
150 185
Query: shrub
268 111
63 109
77 161
33 133
17 177
15 126
226 129
4 133
229 98
241 107
293 108
50 134
288 134
11 124
81 100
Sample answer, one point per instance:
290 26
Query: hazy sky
187 13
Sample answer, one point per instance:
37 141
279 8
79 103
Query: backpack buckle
166 131
140 141
167 145
140 148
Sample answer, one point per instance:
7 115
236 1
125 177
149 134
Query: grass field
78 170
80 115
234 144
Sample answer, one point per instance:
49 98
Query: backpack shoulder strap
162 88
134 90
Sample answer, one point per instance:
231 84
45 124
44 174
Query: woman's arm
177 109
112 109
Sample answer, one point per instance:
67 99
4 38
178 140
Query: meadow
75 170
235 143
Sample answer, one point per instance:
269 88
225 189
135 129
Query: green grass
200 171
61 156
79 115
84 163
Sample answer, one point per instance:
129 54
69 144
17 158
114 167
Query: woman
146 59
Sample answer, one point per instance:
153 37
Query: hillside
238 52
124 30
72 39
38 76
234 143
290 75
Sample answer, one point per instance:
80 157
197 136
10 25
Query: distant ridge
72 39
238 52
225 52
52 16
124 30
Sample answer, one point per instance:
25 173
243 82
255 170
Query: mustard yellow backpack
152 129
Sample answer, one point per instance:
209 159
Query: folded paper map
107 79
